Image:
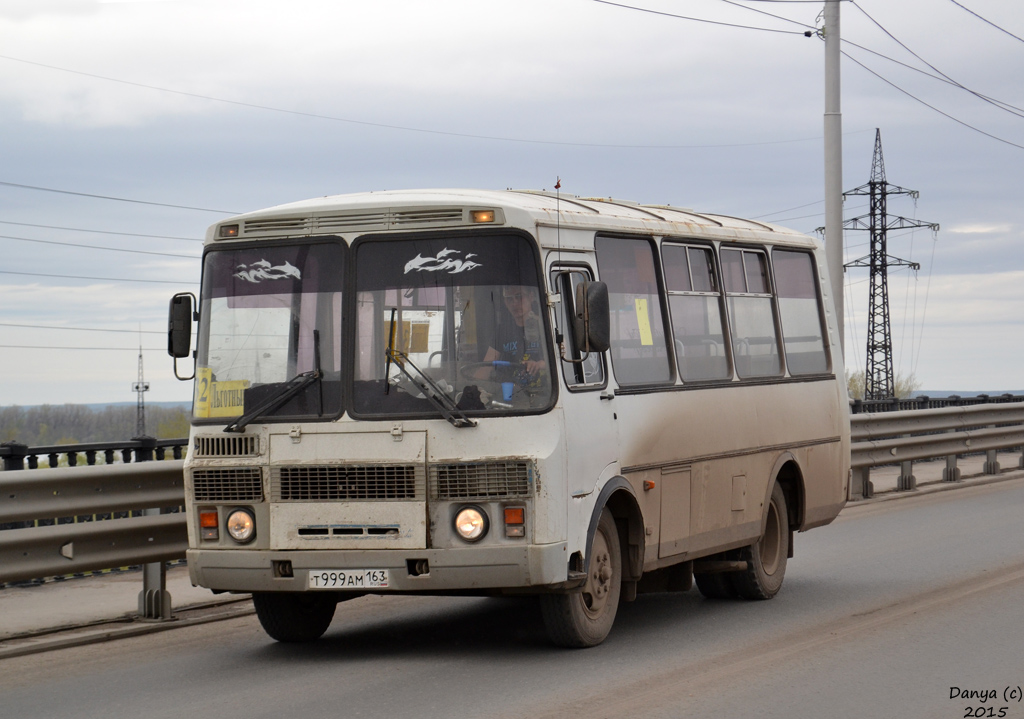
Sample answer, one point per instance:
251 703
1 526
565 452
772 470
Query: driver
520 341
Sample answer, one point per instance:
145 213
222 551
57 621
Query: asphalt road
882 614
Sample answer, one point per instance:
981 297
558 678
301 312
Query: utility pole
140 387
834 164
879 381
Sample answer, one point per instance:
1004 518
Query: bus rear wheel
584 618
766 558
294 617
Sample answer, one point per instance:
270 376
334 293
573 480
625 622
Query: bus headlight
241 525
471 523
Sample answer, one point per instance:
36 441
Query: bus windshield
269 314
462 313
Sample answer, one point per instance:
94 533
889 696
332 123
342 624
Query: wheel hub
598 586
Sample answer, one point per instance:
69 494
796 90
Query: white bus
494 393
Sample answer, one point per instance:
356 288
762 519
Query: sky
128 127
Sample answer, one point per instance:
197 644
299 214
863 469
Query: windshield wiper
291 388
432 392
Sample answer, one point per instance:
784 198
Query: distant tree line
905 385
75 423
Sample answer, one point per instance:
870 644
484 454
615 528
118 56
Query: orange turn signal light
208 519
648 485
515 515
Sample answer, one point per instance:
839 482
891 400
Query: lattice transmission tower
140 387
879 381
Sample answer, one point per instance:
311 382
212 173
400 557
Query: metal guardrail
902 437
895 404
14 455
71 514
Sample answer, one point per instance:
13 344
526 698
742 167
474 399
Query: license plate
348 578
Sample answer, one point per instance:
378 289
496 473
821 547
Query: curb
978 480
45 640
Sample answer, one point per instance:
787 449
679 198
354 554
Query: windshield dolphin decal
263 270
441 263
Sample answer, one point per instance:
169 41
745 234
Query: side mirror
591 325
179 329
179 326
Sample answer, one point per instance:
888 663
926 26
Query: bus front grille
243 484
245 445
345 483
480 480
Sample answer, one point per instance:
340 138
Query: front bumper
469 568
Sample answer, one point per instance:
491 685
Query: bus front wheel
766 558
294 617
584 618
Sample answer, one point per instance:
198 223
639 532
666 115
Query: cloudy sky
156 118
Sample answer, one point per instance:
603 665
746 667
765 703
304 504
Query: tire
766 558
294 617
584 618
716 585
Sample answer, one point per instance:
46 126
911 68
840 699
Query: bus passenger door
589 414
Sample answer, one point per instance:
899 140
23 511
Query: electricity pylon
879 382
140 387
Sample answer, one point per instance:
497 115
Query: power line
932 107
762 12
1013 109
98 247
119 199
988 21
954 82
788 209
404 128
80 329
924 312
800 207
697 19
99 232
101 279
790 219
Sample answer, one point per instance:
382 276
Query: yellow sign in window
643 321
218 399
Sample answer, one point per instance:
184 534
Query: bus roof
391 210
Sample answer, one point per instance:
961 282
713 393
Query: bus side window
638 345
754 342
695 305
590 372
800 312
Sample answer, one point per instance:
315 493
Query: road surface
885 613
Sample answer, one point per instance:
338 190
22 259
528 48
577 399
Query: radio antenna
558 216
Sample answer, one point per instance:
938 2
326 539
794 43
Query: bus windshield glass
462 313
268 315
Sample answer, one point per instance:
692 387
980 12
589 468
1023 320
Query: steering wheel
467 370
